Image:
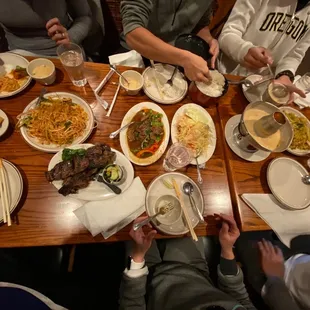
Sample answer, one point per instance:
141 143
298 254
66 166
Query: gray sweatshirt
183 287
165 19
24 23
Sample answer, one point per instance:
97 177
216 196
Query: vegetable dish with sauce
146 134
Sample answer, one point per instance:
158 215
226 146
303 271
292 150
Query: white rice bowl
215 87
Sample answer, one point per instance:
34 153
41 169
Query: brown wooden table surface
45 217
246 177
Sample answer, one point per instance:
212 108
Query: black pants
248 254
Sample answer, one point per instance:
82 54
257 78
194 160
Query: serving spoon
115 133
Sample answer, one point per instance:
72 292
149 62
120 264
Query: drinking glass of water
304 83
177 157
71 57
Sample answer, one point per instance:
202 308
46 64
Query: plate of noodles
13 74
60 120
193 126
300 145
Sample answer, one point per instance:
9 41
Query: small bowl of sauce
42 70
135 82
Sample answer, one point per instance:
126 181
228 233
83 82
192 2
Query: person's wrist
227 253
138 257
184 57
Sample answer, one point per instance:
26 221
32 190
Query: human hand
195 68
214 51
285 80
142 238
272 259
257 58
228 235
57 31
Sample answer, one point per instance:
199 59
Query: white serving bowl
46 80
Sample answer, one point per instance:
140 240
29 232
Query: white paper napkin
286 223
111 215
301 102
129 59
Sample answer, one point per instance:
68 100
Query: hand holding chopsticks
4 196
187 219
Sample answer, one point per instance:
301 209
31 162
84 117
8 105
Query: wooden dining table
44 217
244 176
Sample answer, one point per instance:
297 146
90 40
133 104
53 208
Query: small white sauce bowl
135 76
47 80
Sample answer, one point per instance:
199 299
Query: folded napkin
286 223
129 59
301 102
111 215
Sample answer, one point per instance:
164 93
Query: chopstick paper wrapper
111 215
187 219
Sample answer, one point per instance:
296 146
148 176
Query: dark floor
92 284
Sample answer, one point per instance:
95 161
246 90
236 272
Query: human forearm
275 288
132 293
205 34
80 29
148 45
80 12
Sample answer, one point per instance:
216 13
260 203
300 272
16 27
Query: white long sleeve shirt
272 24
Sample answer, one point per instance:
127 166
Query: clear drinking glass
71 57
177 157
304 82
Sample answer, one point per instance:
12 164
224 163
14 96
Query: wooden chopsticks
188 221
4 196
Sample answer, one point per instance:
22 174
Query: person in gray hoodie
180 278
152 26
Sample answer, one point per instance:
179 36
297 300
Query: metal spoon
112 187
188 189
118 73
306 179
245 82
200 180
162 211
116 132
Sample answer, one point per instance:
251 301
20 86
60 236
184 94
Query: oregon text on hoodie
272 24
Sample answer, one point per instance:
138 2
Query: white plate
232 123
8 62
5 124
53 148
157 189
284 180
206 154
96 190
163 74
15 186
123 135
299 114
255 93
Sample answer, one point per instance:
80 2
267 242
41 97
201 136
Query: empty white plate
284 180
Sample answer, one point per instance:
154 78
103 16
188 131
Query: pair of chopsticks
101 101
4 195
187 219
